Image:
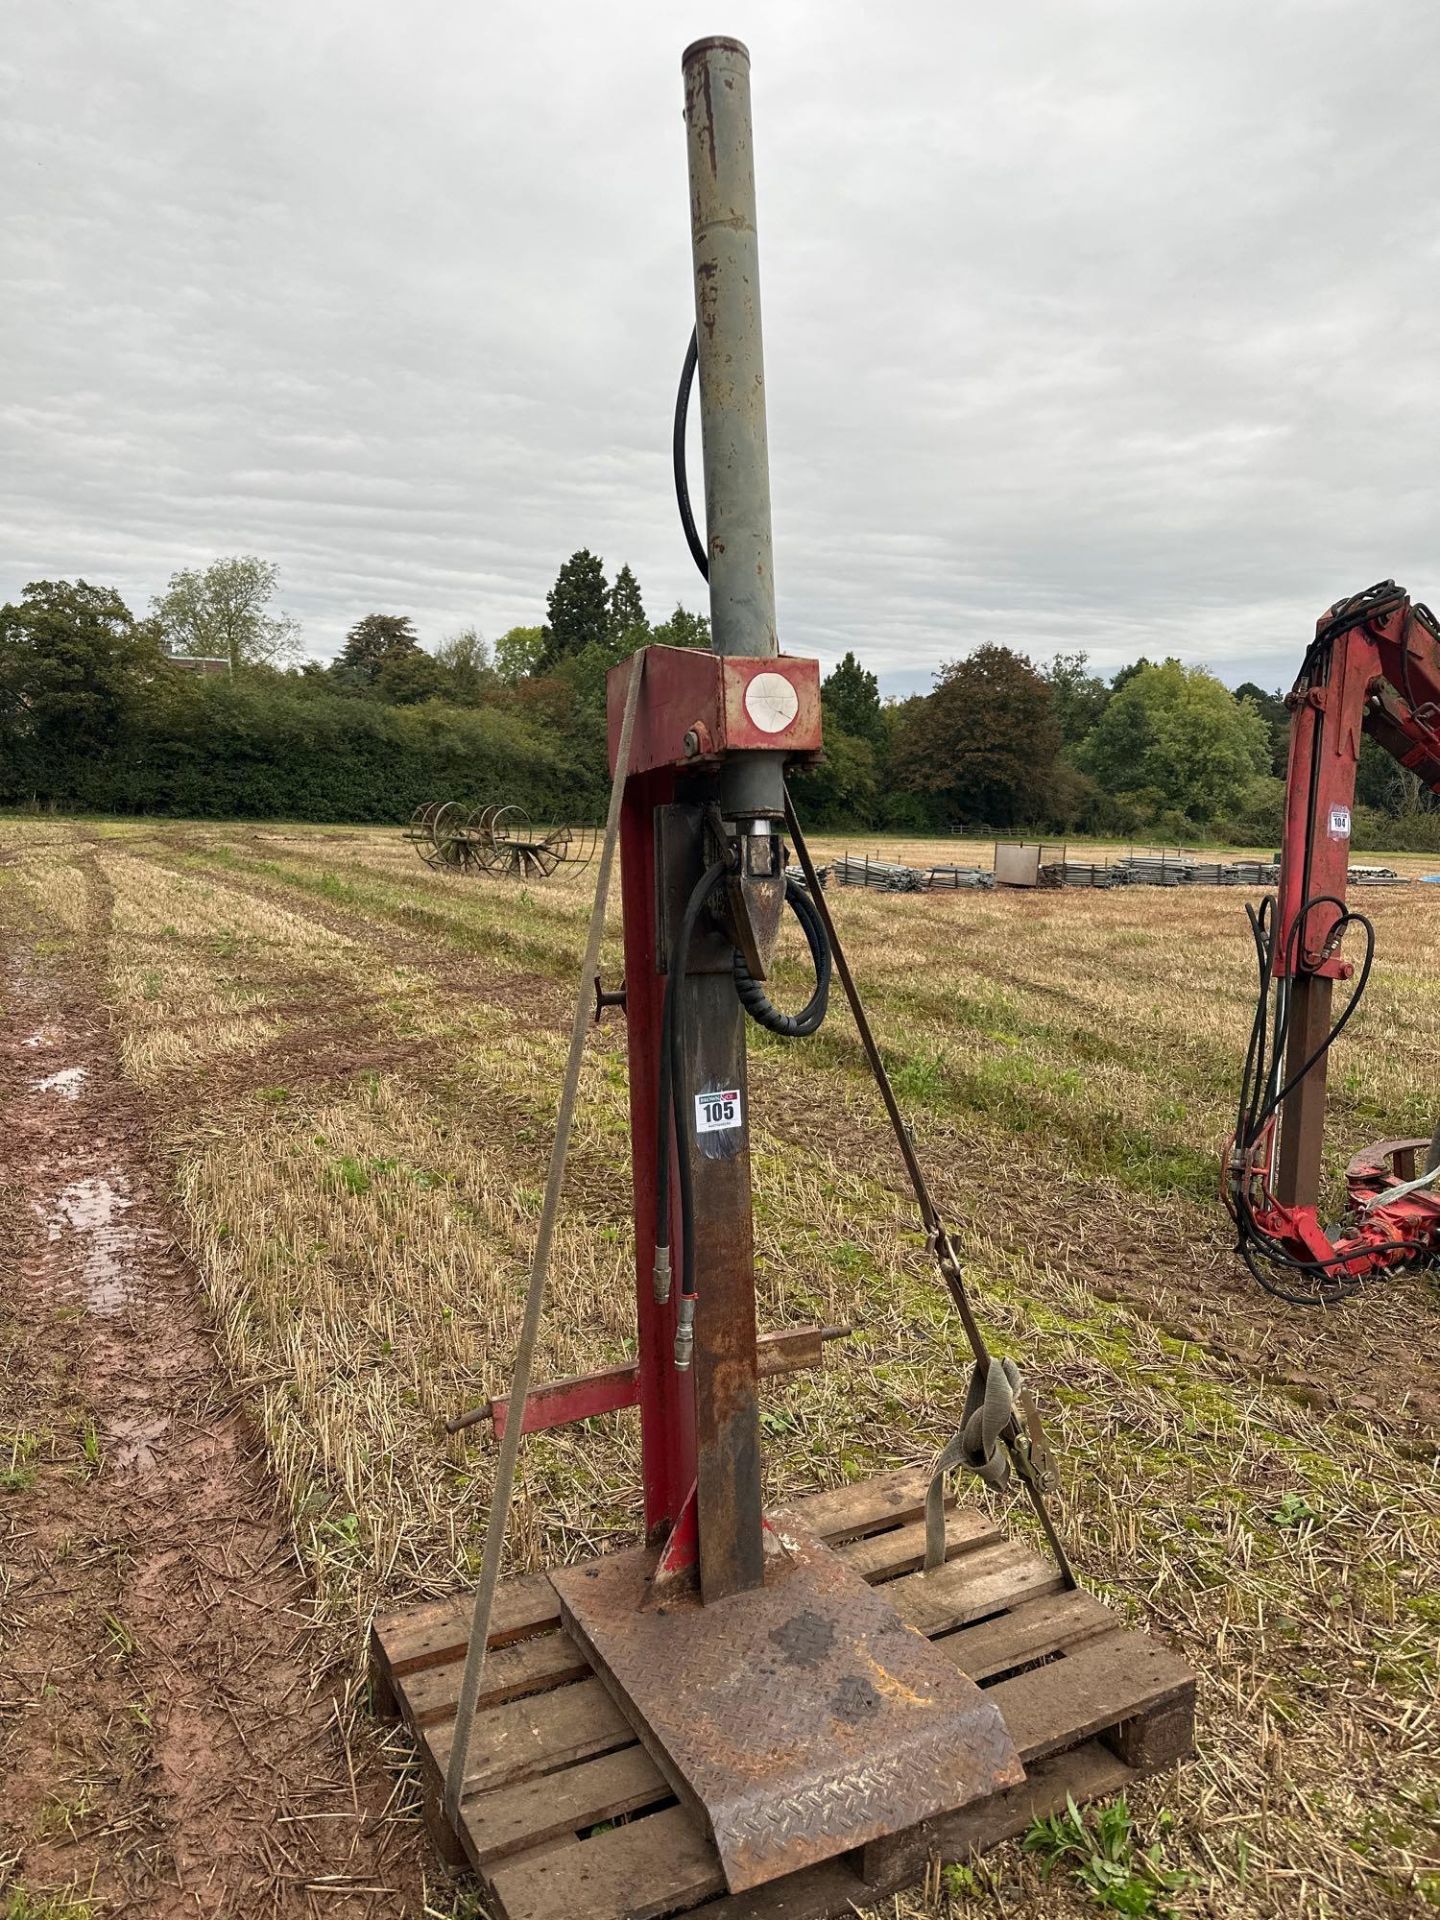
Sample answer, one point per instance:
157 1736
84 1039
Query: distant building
197 663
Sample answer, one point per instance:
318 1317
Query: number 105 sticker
716 1112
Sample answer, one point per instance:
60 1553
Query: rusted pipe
726 259
732 367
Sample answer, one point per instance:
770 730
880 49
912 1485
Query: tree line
96 714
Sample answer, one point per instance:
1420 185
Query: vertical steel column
750 791
732 363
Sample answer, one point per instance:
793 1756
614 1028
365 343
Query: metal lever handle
604 1000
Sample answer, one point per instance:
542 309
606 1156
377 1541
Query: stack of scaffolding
1131 870
1158 869
889 877
1184 870
1081 873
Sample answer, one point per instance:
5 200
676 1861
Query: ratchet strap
1000 1430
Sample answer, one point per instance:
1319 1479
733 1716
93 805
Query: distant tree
375 642
1375 777
464 659
222 612
579 608
1273 711
406 677
628 626
683 629
518 654
1080 696
843 789
1124 675
74 663
1176 738
1382 783
984 741
850 699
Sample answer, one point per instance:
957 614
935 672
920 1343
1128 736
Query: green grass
1103 1859
17 1904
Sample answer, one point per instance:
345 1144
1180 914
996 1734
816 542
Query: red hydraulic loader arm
1373 667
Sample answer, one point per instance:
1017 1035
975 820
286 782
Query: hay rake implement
496 839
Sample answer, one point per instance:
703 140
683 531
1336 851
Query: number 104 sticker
716 1112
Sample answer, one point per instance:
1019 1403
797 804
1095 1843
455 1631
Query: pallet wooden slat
534 1665
635 1872
971 1587
510 1819
884 1556
1097 1685
1033 1630
428 1636
538 1735
865 1506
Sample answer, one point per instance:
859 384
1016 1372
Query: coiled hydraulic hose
755 1000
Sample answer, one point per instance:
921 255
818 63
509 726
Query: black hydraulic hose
1346 919
671 1095
682 475
755 1000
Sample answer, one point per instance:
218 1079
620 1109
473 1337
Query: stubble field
341 1071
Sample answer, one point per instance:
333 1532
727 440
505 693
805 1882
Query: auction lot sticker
715 1112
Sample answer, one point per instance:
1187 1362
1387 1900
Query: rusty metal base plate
801 1719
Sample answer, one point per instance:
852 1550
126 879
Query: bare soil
171 1737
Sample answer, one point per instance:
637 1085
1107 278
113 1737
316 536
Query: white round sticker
771 702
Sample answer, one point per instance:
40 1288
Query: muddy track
172 1735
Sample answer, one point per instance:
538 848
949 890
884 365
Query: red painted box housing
728 702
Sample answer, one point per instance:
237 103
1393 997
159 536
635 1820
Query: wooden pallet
564 1812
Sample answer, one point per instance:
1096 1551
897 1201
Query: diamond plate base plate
801 1719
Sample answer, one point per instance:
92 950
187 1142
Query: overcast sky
1101 324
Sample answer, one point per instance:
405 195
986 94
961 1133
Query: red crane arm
1374 666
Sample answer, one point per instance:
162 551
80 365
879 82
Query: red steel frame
1381 676
692 719
667 1401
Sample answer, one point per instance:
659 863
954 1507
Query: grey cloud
1102 324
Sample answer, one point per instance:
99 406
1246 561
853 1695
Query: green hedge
222 749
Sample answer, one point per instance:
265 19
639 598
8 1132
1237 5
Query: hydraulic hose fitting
661 1275
685 1334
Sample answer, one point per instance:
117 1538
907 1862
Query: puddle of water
132 1441
67 1083
42 1037
92 1207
